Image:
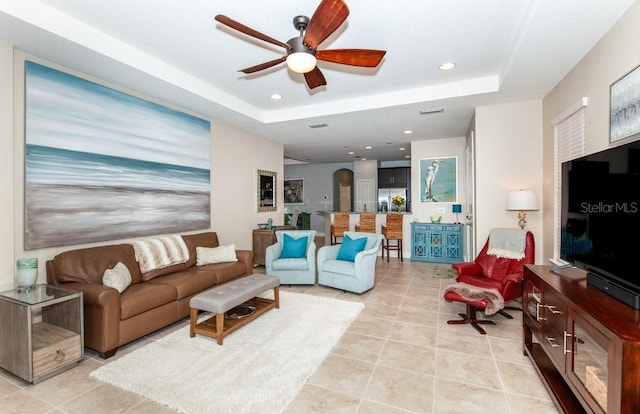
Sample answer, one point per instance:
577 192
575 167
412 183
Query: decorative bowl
435 219
263 226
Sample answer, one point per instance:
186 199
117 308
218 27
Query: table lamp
456 208
522 201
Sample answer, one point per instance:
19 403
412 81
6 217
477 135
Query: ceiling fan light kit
300 58
302 53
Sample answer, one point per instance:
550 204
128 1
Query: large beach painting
104 165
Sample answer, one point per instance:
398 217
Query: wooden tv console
584 344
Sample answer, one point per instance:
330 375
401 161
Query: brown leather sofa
153 300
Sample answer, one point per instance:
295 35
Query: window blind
569 137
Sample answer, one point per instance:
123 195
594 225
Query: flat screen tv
601 219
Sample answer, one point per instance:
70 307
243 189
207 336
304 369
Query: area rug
444 272
259 369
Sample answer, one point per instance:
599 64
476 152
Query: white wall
7 258
617 53
235 158
508 157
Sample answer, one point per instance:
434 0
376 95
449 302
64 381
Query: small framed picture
294 190
624 106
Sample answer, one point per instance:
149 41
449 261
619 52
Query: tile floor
398 356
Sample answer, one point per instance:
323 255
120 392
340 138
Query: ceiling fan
302 53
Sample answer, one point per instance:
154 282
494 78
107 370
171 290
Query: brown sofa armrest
101 315
246 257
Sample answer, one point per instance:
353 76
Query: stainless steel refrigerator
384 199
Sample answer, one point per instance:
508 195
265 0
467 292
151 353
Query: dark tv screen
601 214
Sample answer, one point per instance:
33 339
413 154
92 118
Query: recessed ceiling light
368 147
350 152
408 131
276 96
407 156
363 159
402 149
447 66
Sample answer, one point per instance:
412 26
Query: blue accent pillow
293 248
350 248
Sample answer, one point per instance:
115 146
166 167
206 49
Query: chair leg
472 319
400 249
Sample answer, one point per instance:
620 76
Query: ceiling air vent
324 125
431 111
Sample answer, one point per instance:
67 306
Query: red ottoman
475 298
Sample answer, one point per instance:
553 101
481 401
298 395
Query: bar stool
339 226
392 230
367 223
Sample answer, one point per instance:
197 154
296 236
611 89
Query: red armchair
491 272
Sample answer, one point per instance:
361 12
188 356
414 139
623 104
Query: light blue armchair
292 270
357 276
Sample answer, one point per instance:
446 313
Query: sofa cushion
163 271
224 272
88 265
294 248
118 278
207 239
350 248
188 282
211 255
142 297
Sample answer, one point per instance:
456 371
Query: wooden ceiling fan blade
355 57
329 15
249 31
315 78
263 66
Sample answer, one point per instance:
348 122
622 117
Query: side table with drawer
41 331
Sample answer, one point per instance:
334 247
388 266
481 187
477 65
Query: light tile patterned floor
398 356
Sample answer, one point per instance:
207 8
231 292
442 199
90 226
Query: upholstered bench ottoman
222 298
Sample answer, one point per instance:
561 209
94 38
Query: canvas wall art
439 180
294 190
625 106
104 165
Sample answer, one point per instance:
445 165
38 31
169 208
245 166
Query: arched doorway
343 190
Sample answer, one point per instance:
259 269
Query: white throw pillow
210 255
119 277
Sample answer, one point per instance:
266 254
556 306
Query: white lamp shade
301 62
522 200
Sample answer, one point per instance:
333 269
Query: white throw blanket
508 243
157 253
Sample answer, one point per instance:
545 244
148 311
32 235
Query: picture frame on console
624 106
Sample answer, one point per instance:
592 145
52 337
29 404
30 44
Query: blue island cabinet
431 242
